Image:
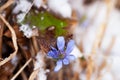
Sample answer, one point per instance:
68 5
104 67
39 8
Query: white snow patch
82 76
14 60
88 40
27 31
76 52
99 59
76 66
39 64
38 3
20 17
106 42
61 7
107 76
78 32
22 5
115 67
39 61
116 48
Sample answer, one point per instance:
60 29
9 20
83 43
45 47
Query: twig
21 69
24 75
1 34
14 40
6 5
34 74
35 44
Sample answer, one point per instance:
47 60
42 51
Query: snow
39 64
22 5
82 76
38 3
76 66
115 67
20 17
89 40
39 61
113 29
116 47
61 7
107 76
14 60
27 31
76 52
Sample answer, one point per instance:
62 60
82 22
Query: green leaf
44 20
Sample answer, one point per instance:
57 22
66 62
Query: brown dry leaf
34 74
14 40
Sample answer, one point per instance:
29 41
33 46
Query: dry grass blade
24 76
21 69
14 39
1 34
6 5
34 74
107 52
94 48
98 39
35 44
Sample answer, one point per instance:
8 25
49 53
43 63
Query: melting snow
61 7
22 5
27 31
38 3
39 64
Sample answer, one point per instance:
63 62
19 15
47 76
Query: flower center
61 56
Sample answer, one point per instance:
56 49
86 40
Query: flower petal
71 57
52 54
70 47
58 66
65 61
54 50
60 43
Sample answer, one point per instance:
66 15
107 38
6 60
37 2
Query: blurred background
29 27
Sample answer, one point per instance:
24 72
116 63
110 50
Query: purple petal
71 57
54 50
58 66
65 61
70 47
52 54
60 43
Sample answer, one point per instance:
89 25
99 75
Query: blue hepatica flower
62 53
